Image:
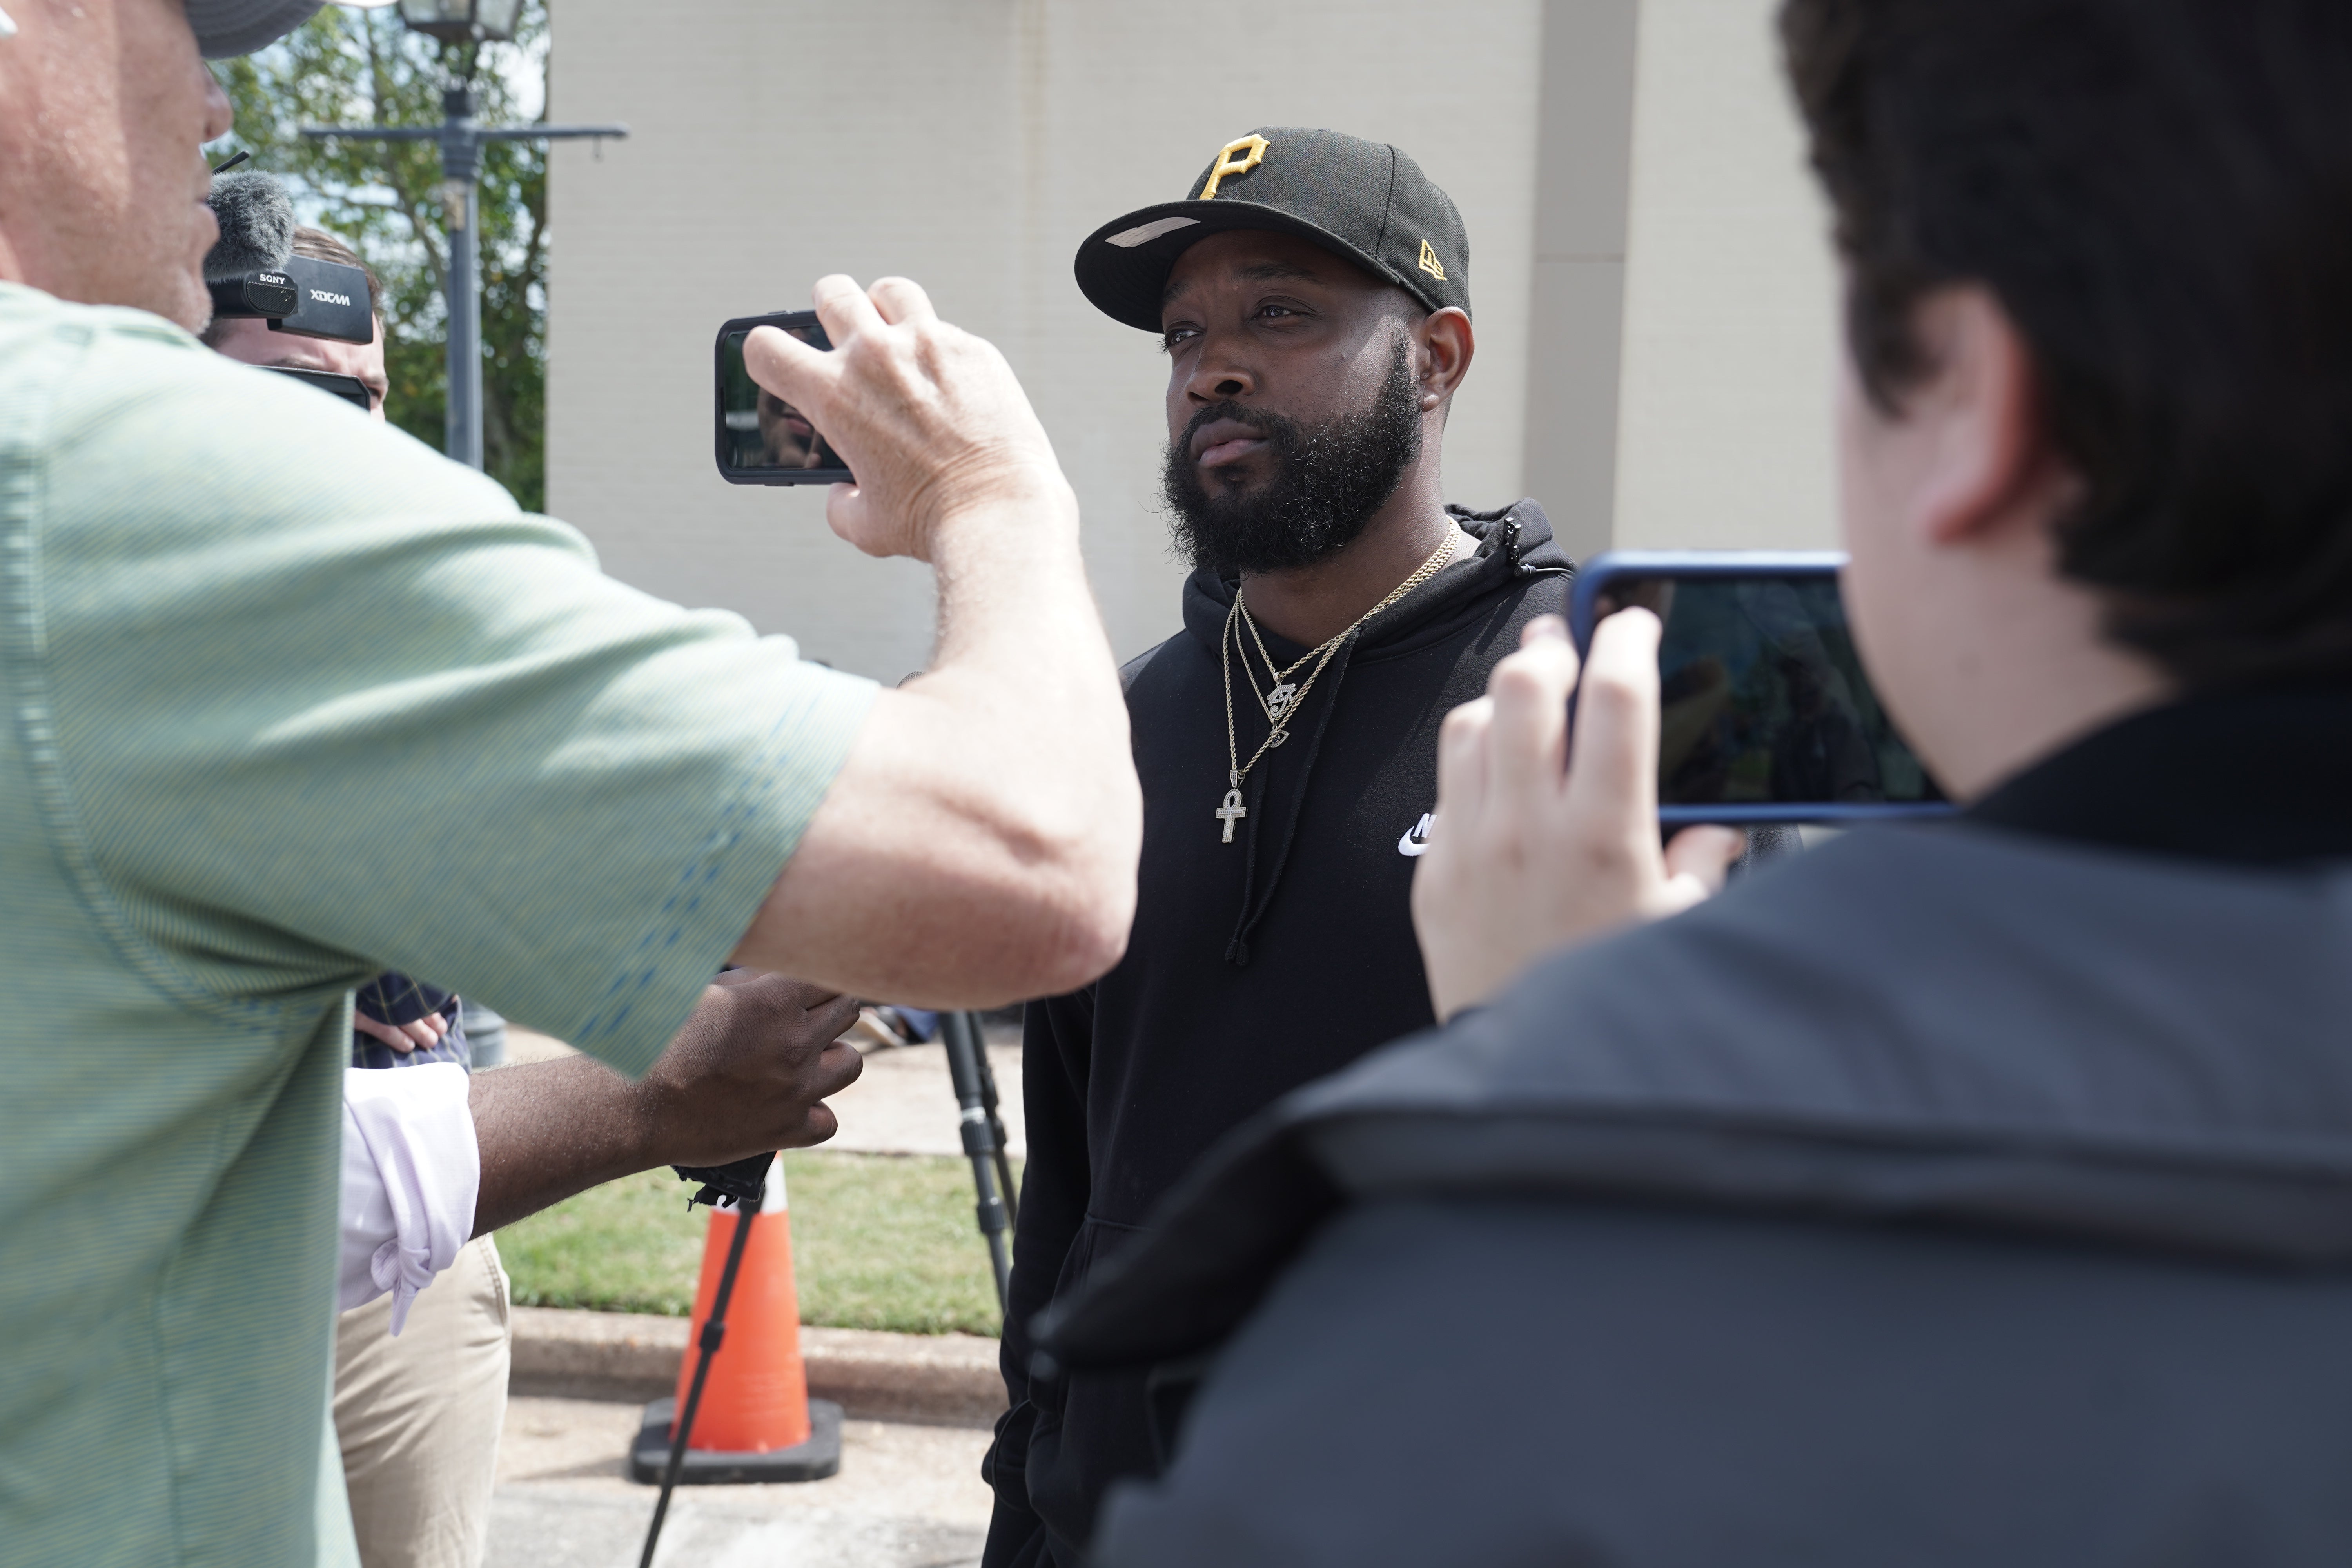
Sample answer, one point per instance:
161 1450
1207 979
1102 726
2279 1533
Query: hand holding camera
929 419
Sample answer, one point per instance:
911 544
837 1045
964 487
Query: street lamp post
455 22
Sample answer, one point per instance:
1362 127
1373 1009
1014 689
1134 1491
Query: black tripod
744 1183
983 1138
747 1189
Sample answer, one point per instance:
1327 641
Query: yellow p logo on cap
1253 150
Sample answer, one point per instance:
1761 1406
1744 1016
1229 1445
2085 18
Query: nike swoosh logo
1416 838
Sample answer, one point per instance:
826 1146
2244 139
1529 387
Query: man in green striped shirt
285 698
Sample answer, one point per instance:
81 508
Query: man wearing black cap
1312 295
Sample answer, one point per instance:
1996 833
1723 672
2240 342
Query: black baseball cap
1363 200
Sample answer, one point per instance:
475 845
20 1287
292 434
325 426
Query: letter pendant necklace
1286 698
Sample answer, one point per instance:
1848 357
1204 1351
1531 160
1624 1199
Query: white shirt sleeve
412 1171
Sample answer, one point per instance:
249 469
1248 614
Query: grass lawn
879 1241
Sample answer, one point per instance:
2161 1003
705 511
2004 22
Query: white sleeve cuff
412 1171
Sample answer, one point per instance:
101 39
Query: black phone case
720 445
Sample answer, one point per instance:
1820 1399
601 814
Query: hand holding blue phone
1767 714
1542 840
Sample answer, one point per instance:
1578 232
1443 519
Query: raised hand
929 417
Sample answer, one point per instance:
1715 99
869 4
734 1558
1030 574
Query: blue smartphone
1767 714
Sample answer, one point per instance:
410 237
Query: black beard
1327 483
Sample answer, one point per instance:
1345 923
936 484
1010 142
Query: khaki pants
418 1417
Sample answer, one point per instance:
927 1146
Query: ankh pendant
1231 812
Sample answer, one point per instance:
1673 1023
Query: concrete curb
945 1379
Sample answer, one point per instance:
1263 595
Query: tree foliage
384 199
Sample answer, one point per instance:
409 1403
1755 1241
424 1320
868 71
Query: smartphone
762 439
1767 714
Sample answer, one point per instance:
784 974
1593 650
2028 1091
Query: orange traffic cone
755 1421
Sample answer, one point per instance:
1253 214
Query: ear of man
1444 344
1956 500
1970 427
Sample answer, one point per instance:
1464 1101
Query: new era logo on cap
1363 200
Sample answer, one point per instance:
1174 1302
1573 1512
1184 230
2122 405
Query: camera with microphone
254 273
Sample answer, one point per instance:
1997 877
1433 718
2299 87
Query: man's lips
1223 441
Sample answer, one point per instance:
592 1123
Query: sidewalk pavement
904 1103
919 1408
908 1496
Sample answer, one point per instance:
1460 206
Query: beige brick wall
971 143
1724 429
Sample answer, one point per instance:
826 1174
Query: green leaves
383 199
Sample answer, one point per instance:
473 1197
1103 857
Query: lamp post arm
553 132
478 133
375 133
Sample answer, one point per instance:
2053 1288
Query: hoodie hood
1515 542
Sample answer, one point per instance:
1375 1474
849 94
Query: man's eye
1175 336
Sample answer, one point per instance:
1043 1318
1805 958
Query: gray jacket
1947 1195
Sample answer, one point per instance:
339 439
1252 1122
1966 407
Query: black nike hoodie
1253 967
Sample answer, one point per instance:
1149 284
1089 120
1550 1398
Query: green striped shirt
290 699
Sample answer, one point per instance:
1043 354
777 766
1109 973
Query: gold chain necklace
1283 701
1283 695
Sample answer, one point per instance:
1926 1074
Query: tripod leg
997 1145
714 1334
960 1032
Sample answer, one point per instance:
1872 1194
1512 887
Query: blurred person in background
434 1159
293 700
1952 1196
249 341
